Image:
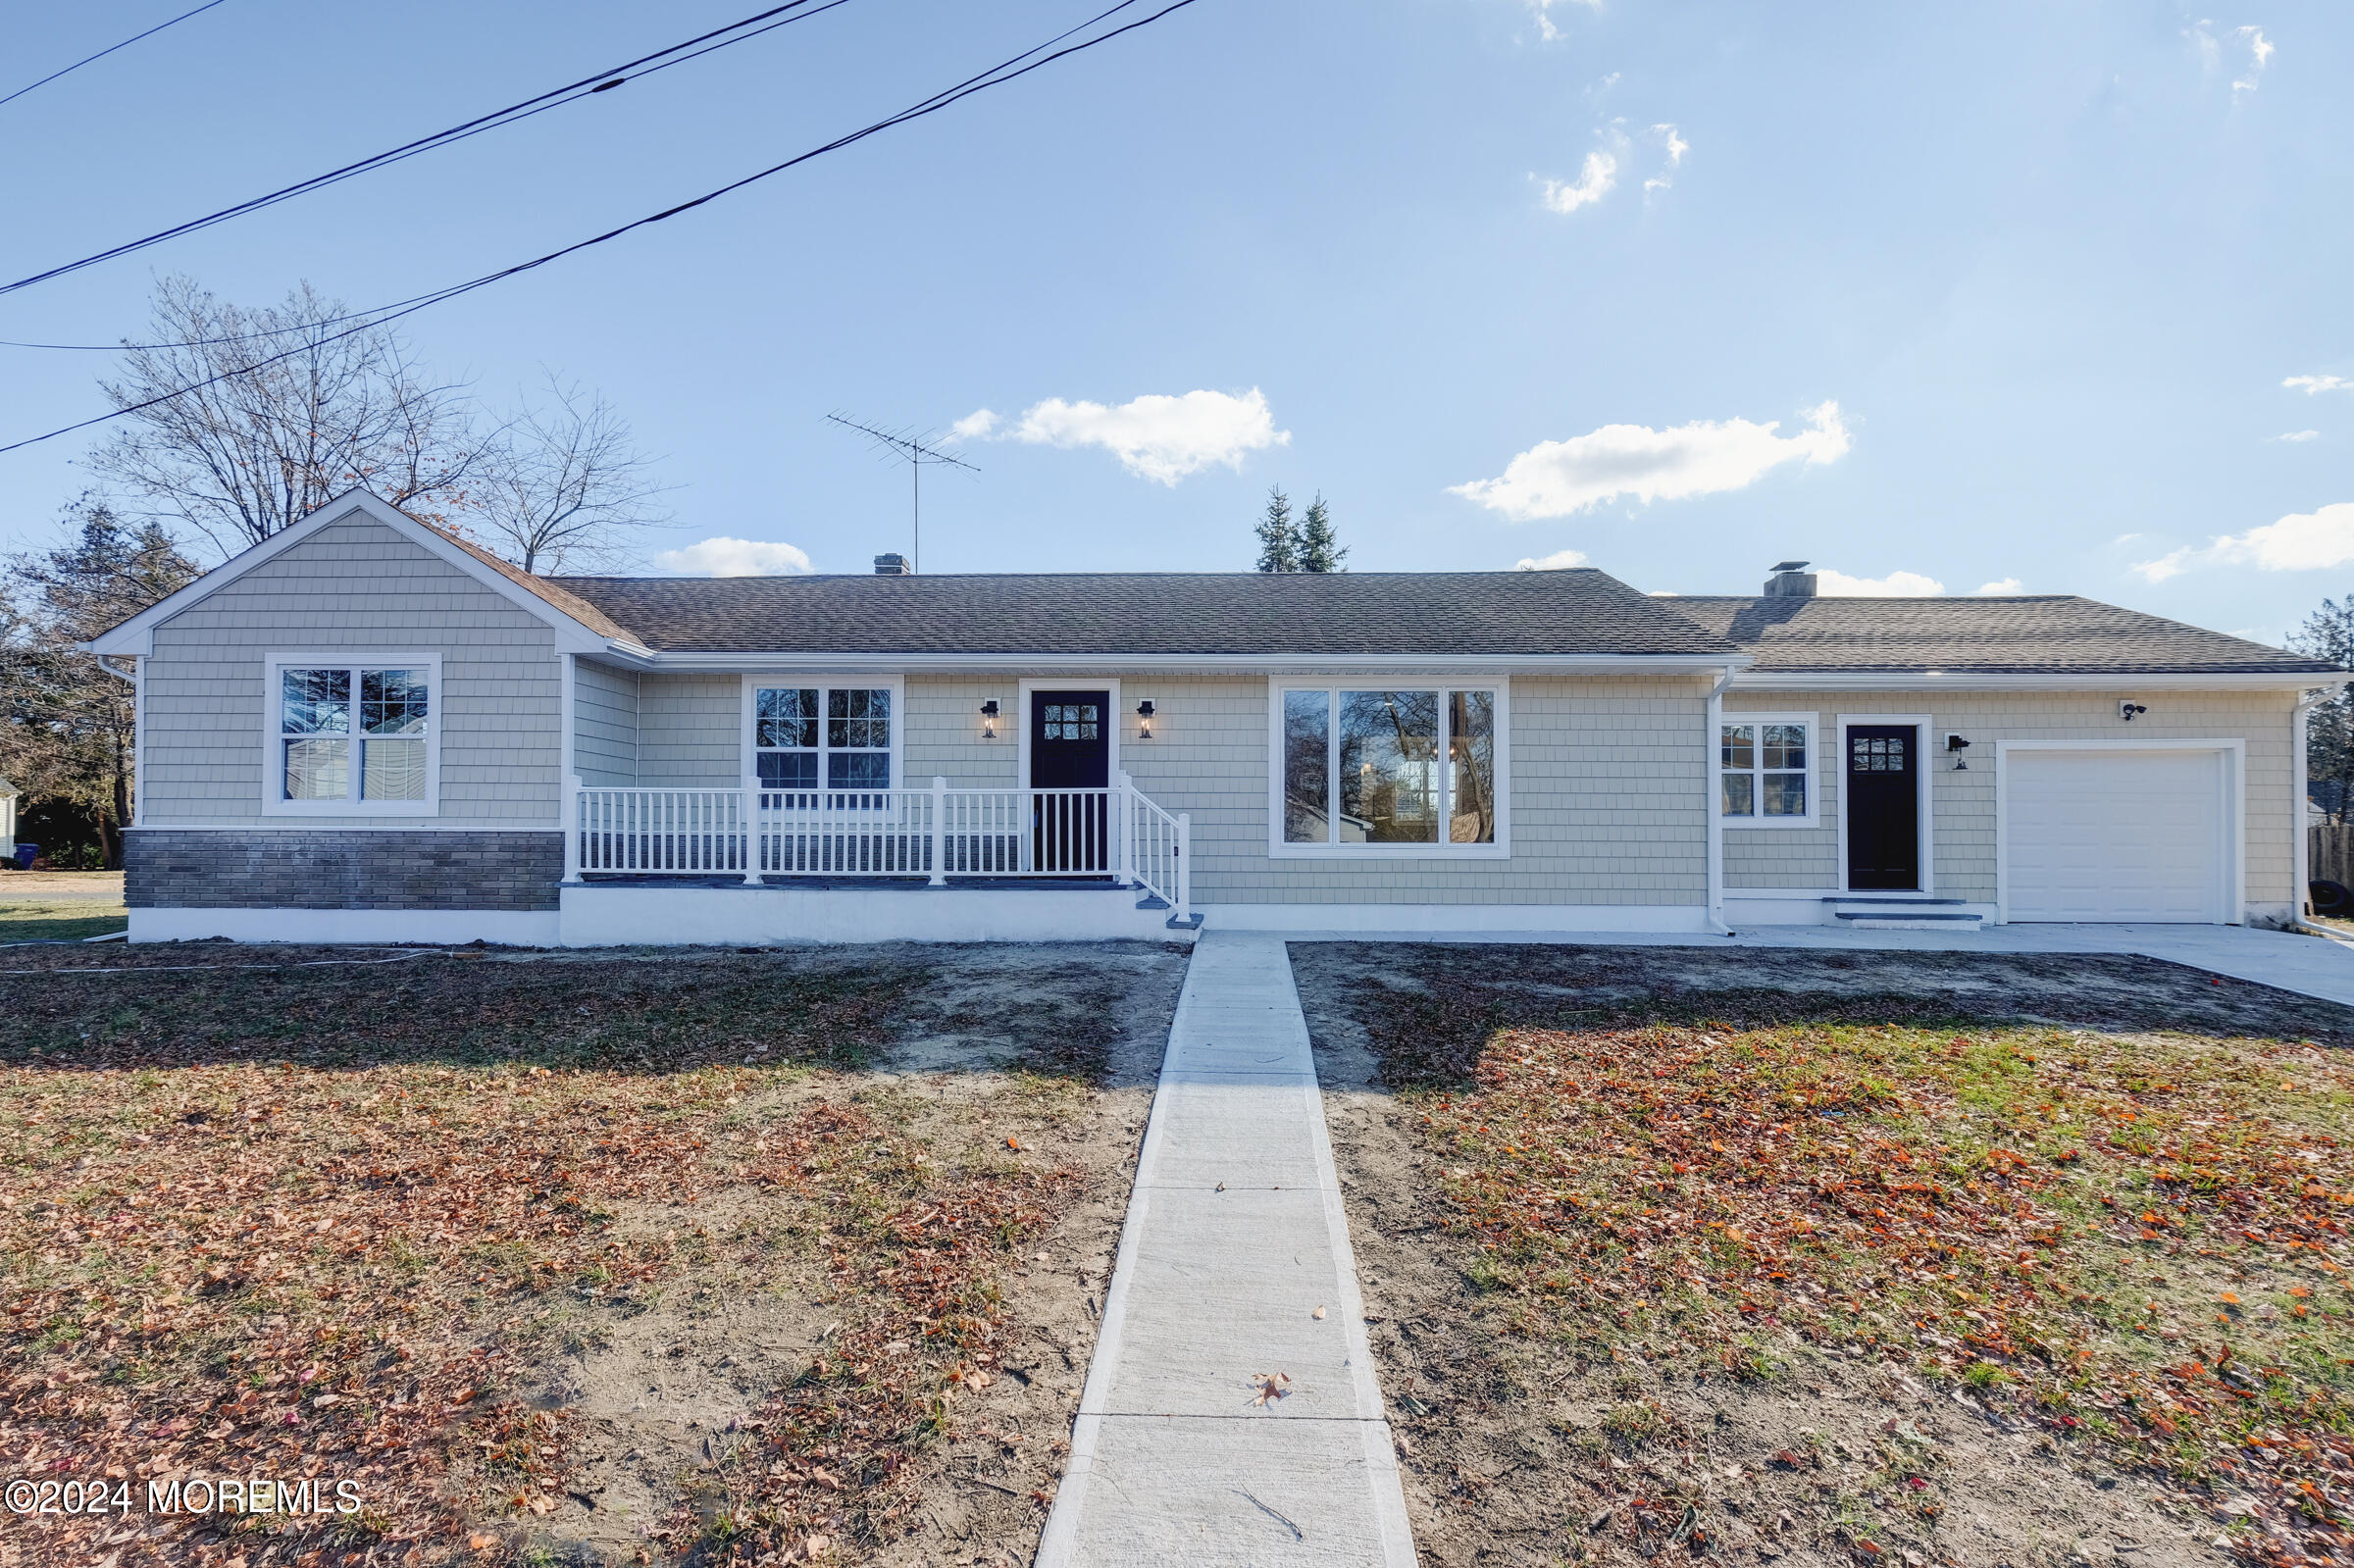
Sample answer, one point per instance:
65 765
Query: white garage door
2117 834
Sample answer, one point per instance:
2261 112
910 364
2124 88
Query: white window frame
1500 850
1814 769
751 732
274 776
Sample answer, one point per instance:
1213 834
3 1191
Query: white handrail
938 833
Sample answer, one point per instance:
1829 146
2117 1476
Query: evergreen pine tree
1320 548
1278 536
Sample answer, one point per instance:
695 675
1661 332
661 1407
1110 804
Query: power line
997 75
909 447
555 98
110 49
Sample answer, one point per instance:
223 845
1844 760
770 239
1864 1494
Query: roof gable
589 631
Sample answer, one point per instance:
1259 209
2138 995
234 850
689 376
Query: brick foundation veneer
341 869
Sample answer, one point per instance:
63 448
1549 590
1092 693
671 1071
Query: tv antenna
913 448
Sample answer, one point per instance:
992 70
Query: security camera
2127 710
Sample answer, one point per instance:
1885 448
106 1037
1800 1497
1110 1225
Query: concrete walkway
1234 1267
2311 966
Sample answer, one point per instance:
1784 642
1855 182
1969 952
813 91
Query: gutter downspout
2299 851
1710 785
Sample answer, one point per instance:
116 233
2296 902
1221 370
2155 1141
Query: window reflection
1307 766
1389 767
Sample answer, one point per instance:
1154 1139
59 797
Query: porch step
1191 922
1899 912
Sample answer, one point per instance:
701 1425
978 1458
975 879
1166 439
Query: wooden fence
2329 852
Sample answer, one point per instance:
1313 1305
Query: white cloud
974 427
2212 51
1554 478
2123 539
724 557
2000 585
1896 584
2315 386
2293 436
1157 438
1544 14
1558 561
1676 147
1594 180
2302 541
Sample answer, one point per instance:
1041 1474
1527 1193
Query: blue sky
2016 286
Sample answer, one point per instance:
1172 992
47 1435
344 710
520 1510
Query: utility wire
110 49
997 75
556 97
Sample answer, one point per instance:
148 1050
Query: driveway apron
1231 1415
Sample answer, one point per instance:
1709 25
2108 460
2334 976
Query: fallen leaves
1983 1204
1269 1387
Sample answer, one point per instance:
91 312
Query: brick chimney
895 565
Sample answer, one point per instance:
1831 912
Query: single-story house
8 818
368 730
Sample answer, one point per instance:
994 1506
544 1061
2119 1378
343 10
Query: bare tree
564 483
266 413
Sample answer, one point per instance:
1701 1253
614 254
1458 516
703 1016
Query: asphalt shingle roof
2039 635
1341 614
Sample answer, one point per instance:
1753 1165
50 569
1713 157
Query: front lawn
782 1256
1940 1258
36 919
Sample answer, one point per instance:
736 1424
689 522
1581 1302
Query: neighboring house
364 730
8 819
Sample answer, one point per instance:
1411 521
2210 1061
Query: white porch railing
935 834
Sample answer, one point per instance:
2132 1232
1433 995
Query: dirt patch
1607 1332
616 1258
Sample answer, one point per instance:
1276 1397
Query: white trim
1965 681
1438 919
747 755
1813 720
2299 809
389 826
508 928
274 783
568 705
1465 666
136 635
2235 812
1439 849
1924 844
596 915
1021 718
138 744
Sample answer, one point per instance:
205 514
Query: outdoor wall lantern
1144 719
989 719
1954 745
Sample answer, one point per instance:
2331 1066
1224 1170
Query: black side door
1071 748
1882 802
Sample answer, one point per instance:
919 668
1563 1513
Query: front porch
758 865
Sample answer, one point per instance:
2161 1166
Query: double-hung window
828 742
357 736
1388 769
1763 765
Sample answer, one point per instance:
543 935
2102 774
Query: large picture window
1390 768
824 739
356 736
1763 778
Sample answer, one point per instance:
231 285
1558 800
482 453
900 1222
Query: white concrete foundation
605 915
1436 919
388 927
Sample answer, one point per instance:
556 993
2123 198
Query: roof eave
1756 679
698 661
